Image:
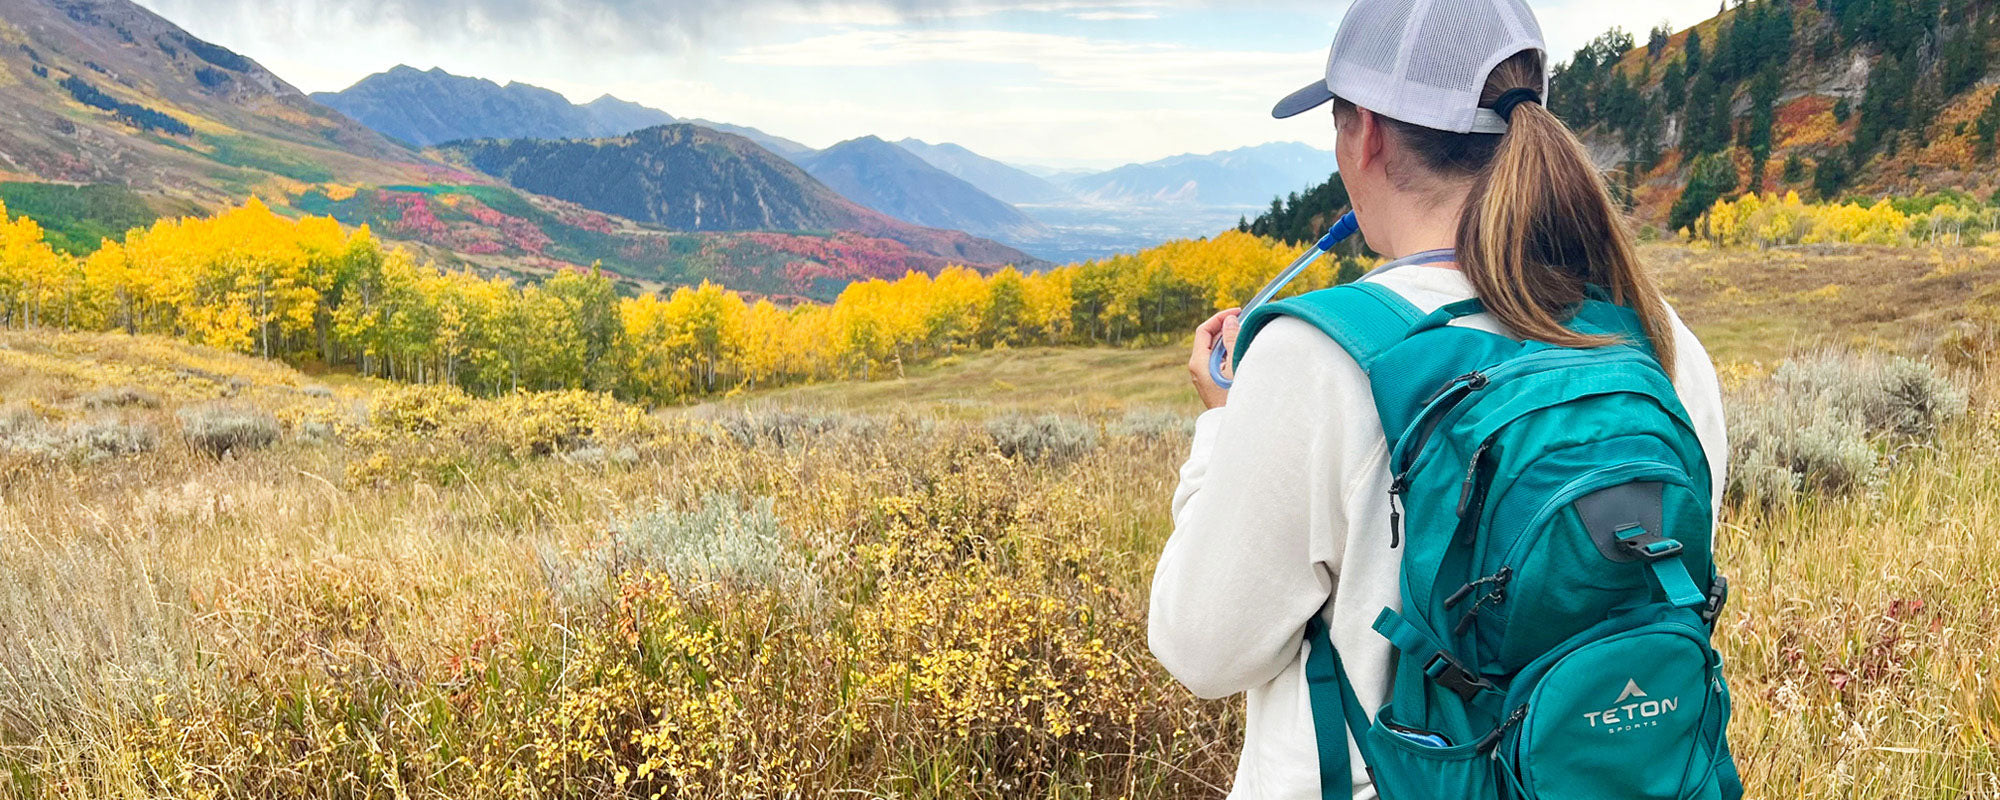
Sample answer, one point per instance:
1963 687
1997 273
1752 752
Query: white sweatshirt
1283 512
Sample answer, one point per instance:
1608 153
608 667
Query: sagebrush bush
724 540
1778 451
1822 424
1154 424
1044 438
219 429
101 438
120 397
26 434
780 428
1891 396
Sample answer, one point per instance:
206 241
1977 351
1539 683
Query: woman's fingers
1205 336
1219 328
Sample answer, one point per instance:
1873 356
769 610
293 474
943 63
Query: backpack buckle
1718 596
1448 673
1648 545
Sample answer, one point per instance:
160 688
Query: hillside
1247 176
106 92
894 181
1867 97
1003 182
429 107
1864 98
681 176
695 179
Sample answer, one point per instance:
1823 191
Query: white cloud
1113 16
1069 62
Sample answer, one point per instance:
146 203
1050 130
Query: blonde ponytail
1540 224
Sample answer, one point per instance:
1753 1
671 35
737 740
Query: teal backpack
1552 510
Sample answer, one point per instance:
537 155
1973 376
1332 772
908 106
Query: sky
1050 83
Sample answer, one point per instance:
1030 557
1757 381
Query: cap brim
1303 100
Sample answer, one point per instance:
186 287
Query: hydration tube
1343 228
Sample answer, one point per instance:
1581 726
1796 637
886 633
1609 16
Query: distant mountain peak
1002 181
897 182
427 107
1247 176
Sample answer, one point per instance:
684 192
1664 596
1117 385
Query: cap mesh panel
1372 34
1454 41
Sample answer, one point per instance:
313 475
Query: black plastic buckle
1447 672
1651 546
1718 597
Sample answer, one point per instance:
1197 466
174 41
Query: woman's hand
1221 327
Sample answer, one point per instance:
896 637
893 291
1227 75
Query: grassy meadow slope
1752 308
226 578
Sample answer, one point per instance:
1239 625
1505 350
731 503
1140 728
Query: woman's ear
1369 139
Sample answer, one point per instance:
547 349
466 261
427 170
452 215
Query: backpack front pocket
1411 764
1634 715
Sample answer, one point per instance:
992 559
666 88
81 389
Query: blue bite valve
1343 228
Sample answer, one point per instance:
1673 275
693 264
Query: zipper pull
1498 579
1465 622
1493 739
1396 489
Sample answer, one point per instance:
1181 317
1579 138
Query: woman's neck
1418 223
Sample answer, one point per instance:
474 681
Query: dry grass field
225 578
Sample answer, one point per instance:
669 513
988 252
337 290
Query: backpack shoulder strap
1366 319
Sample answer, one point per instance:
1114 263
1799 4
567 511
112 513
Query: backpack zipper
1396 489
1492 740
1427 421
1496 595
1471 472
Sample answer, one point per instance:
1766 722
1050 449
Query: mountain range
894 181
1000 180
1248 176
111 116
434 107
108 106
688 177
425 108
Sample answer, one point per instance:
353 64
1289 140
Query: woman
1283 509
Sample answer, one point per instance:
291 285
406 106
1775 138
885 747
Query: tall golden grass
413 593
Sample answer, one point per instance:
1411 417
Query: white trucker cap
1424 62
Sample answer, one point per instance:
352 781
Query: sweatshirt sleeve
1700 390
1257 523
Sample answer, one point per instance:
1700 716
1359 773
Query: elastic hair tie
1504 105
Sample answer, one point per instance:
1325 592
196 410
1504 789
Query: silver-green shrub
25 433
109 437
1044 438
1822 424
1152 424
219 429
120 397
724 540
1891 396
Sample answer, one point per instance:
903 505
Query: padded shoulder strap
1365 318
